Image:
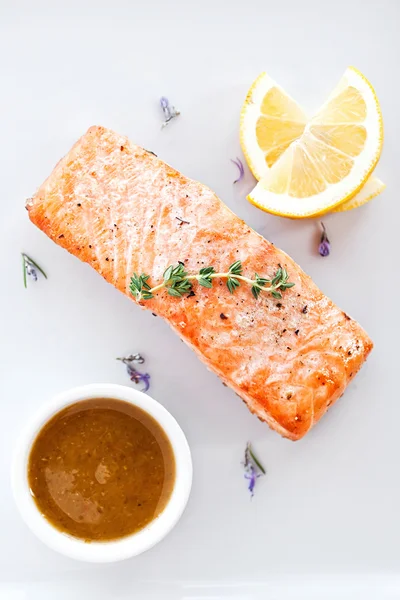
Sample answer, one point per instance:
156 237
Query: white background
325 521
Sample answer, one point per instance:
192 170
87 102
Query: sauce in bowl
101 469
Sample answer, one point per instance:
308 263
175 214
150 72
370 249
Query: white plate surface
324 523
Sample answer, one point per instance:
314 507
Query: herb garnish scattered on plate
324 247
240 166
253 469
170 112
30 267
133 373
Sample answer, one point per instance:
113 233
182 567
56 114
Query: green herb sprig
30 267
139 283
178 282
253 469
254 458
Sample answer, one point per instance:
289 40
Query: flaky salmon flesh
122 210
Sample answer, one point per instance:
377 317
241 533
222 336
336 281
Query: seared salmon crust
122 210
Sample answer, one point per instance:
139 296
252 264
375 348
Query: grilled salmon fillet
122 210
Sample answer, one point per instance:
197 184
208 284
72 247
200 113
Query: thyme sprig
178 282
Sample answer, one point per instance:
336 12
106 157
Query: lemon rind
247 136
350 194
378 189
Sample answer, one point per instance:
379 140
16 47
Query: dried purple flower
137 377
30 267
170 112
240 166
324 247
164 102
253 469
133 373
252 475
31 271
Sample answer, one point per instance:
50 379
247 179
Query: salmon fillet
122 210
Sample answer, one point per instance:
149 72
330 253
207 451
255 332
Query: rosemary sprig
24 270
255 459
29 267
178 282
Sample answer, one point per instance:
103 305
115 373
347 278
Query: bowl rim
113 550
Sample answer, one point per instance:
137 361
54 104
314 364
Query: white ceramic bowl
102 552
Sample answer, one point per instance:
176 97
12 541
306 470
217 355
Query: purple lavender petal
164 102
131 371
324 247
170 112
166 110
137 377
240 166
251 470
146 380
31 271
251 475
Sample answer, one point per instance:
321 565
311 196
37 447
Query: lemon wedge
312 171
269 122
370 190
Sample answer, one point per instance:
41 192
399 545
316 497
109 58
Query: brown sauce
101 469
